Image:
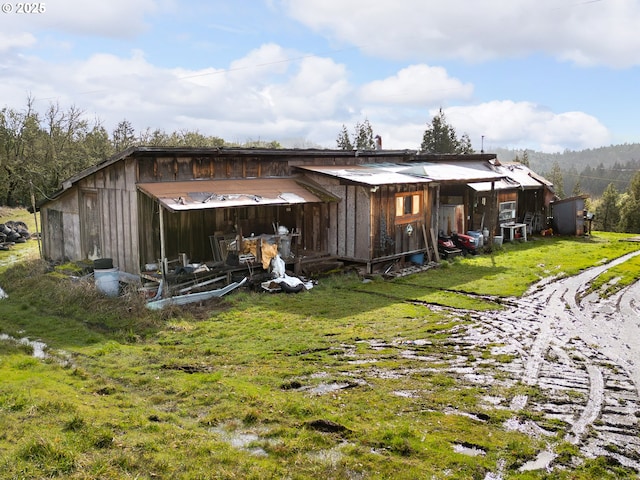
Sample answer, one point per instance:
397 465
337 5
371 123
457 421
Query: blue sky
545 75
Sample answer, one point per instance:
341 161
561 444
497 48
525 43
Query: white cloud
265 94
15 41
588 32
526 125
416 85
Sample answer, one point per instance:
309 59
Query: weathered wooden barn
148 204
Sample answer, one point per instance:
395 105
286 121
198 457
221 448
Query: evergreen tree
440 137
343 141
577 189
630 207
556 178
465 144
363 137
607 214
124 136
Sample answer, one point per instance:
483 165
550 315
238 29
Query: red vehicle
446 247
466 243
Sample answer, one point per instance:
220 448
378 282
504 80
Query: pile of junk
13 232
254 262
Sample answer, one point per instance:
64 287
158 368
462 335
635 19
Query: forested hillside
589 171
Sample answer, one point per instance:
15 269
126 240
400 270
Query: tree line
38 150
439 137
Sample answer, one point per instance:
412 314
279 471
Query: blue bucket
417 258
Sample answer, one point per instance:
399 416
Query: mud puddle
37 347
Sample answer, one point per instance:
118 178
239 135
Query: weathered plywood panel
146 168
332 229
115 177
203 168
90 232
52 226
125 241
362 228
183 169
350 236
164 169
341 221
71 245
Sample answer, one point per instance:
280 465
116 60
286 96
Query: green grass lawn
260 385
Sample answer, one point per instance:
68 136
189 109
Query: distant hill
594 168
607 156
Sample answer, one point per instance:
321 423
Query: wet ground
583 355
579 353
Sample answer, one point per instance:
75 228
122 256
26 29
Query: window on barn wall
507 211
408 207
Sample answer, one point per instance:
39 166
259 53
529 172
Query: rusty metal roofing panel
201 194
372 175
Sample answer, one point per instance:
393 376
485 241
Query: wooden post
163 253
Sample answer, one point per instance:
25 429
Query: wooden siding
60 226
362 226
180 168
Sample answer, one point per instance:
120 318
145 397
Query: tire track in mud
583 353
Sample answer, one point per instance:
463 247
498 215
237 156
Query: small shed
569 216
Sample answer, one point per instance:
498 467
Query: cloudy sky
546 75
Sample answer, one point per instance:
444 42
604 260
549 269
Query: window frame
416 206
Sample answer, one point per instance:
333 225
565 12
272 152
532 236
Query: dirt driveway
583 354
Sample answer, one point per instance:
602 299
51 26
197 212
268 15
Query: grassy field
260 385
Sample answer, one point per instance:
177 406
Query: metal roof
371 175
201 194
424 172
516 176
457 172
